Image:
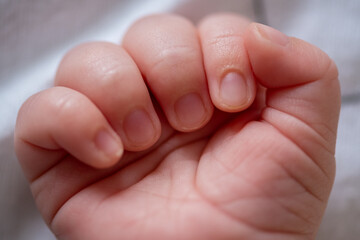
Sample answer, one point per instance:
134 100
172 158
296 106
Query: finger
167 51
107 75
285 161
302 80
63 119
302 106
230 79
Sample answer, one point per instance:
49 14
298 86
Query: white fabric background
35 34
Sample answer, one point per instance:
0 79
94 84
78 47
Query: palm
195 183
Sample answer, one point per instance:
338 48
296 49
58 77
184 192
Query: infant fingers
168 53
231 82
106 74
62 119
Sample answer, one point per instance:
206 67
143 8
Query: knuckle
228 51
155 19
225 16
65 105
173 55
229 40
172 58
94 61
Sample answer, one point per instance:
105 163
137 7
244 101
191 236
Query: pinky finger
63 119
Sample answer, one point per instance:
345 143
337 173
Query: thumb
303 93
275 174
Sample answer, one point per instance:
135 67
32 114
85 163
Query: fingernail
190 111
272 35
233 90
108 144
138 127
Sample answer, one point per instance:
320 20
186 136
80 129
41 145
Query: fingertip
278 60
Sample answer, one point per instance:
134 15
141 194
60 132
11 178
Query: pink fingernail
139 128
108 144
190 111
233 90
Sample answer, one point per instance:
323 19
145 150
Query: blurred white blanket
35 34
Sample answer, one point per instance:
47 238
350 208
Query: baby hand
228 128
